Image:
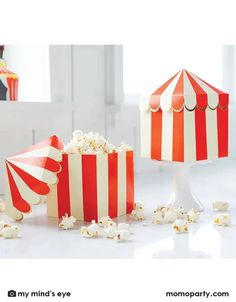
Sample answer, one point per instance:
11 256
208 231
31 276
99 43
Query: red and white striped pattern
93 186
186 120
10 81
29 175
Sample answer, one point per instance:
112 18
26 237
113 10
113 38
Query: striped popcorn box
186 120
91 186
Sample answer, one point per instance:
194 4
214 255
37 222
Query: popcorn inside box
96 179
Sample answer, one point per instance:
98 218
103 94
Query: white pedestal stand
182 195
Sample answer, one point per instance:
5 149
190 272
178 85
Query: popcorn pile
92 143
108 228
168 214
8 231
179 218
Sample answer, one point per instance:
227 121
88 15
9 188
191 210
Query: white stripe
166 96
37 172
10 210
212 96
145 131
75 181
52 202
189 136
167 135
190 100
102 185
42 152
212 134
26 193
121 183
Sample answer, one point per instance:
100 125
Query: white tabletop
41 237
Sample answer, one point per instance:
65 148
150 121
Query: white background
118 22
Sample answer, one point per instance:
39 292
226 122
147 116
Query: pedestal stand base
188 203
182 195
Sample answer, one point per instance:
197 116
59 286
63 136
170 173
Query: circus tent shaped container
185 120
87 186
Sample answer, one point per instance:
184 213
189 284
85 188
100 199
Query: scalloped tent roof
29 174
186 89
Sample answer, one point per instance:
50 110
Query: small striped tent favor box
91 186
8 83
186 120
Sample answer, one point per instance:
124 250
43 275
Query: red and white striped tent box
29 174
8 83
185 120
93 186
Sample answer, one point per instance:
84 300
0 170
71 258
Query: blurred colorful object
8 81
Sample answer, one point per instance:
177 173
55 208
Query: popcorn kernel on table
164 215
92 231
10 232
67 223
180 226
222 220
138 212
220 206
193 216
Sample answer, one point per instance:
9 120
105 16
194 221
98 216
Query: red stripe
18 202
89 179
129 181
223 100
222 125
16 89
33 183
178 136
63 191
113 184
200 130
156 135
43 162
